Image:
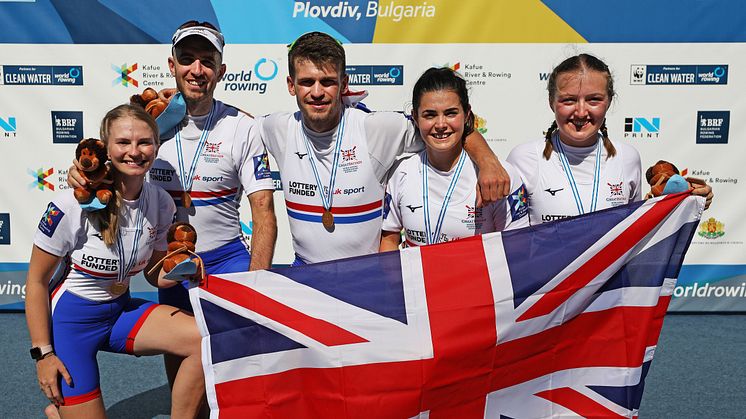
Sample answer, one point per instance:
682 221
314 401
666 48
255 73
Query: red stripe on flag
578 403
319 330
657 323
462 320
335 210
601 261
620 336
381 391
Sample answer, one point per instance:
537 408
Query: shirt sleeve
523 157
510 212
251 158
272 132
389 135
60 225
391 203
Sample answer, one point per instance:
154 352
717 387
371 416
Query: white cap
215 37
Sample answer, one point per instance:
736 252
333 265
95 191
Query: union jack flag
556 320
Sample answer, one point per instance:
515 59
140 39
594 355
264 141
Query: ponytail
107 220
610 150
548 147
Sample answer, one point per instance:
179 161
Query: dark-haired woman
576 168
90 307
431 196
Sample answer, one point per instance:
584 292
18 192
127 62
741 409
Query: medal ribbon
187 179
326 200
125 266
571 179
435 236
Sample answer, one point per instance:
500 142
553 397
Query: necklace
187 177
327 219
571 179
434 236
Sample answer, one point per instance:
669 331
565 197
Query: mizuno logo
553 192
300 156
411 208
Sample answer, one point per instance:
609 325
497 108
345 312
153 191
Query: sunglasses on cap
204 29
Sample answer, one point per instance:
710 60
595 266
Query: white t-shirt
370 144
549 189
405 203
232 163
64 230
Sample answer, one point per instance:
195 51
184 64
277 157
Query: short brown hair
319 48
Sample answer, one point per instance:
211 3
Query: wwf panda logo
639 73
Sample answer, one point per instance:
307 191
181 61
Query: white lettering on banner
342 9
10 288
694 291
359 78
676 78
397 11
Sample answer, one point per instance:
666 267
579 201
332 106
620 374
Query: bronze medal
118 288
327 219
186 199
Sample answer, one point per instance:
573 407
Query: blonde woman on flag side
431 196
87 307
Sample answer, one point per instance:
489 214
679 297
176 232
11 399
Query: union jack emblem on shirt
616 188
515 324
473 212
212 147
349 155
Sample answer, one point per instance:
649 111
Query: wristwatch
39 352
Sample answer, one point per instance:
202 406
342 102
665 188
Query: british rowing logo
349 155
212 147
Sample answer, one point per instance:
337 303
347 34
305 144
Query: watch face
35 353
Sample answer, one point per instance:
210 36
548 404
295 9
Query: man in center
334 160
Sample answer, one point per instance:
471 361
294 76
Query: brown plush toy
149 100
181 240
664 178
91 156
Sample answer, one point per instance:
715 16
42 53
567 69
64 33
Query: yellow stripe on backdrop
470 21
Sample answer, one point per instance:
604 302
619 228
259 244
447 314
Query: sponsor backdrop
679 71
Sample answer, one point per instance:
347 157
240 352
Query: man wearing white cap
209 161
213 157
